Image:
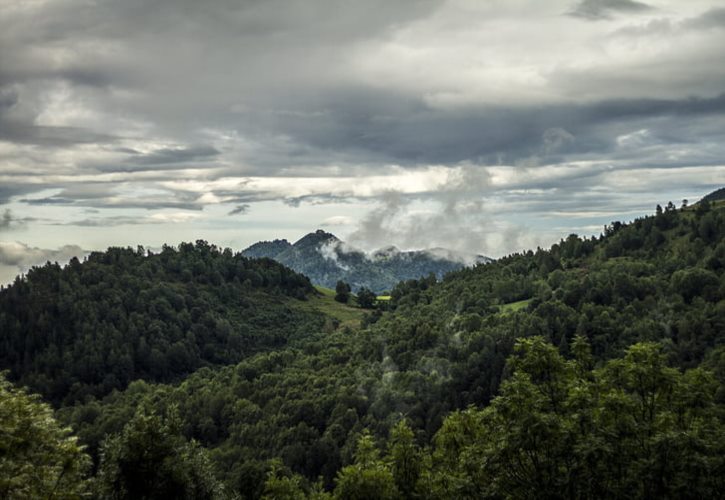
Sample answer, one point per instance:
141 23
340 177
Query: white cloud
17 257
338 220
487 114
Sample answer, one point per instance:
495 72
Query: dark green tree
369 477
406 460
342 292
150 459
282 486
635 428
38 457
366 298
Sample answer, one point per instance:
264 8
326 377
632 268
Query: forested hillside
593 369
88 328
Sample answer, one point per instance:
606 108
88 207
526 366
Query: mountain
325 259
717 195
267 249
592 369
92 327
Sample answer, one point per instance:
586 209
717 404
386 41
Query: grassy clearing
383 298
515 306
327 292
325 303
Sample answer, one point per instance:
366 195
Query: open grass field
325 303
515 306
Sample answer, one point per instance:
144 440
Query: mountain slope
325 259
448 345
267 249
606 350
92 327
718 195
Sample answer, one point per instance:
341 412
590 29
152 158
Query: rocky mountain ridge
325 259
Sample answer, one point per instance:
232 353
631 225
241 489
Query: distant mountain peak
267 248
325 259
313 239
385 252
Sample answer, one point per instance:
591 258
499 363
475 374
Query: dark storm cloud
113 221
162 159
153 204
180 30
8 99
56 136
291 106
239 209
177 66
106 195
23 130
318 199
417 135
147 203
166 156
77 193
603 9
712 19
16 190
243 196
7 192
184 104
6 219
106 222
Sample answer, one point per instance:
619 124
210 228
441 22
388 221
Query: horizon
479 127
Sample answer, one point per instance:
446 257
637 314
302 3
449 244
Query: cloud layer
16 257
456 122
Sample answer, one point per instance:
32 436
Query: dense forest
593 369
89 328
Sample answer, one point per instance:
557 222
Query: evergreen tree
150 459
38 457
342 292
366 298
369 477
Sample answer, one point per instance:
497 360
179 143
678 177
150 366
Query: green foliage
717 195
281 486
515 306
342 292
366 298
150 459
406 460
696 282
38 457
513 379
634 428
369 477
338 315
92 327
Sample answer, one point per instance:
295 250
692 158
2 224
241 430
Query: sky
482 126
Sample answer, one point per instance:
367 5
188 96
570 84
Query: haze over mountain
325 259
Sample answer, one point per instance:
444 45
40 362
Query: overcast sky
485 126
